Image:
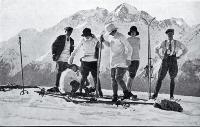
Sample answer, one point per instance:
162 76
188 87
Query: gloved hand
55 58
128 62
70 61
102 38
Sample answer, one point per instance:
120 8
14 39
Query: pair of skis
149 67
98 67
82 98
11 86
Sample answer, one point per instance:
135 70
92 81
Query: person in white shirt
134 41
121 52
70 81
89 60
169 51
68 76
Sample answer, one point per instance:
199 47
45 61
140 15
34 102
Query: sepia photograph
99 62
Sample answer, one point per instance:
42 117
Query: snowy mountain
36 46
126 12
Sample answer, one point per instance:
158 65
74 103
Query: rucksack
168 105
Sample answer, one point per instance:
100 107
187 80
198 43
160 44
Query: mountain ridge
36 45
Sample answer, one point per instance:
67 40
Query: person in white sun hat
120 59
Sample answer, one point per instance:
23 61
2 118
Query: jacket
58 46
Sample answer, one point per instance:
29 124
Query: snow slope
33 109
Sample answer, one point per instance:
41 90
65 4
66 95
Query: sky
16 15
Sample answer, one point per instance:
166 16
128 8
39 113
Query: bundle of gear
168 105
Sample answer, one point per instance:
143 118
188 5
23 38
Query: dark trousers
168 64
61 66
117 75
133 68
86 68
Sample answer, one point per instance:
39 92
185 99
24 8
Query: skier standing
170 49
89 60
135 44
61 50
121 53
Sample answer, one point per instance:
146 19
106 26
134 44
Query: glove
102 38
128 62
178 57
70 61
55 58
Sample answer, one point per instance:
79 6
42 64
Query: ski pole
98 69
98 65
23 90
149 55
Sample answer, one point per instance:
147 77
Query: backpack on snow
168 105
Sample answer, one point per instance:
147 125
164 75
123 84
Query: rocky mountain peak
125 8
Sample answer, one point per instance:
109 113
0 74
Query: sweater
135 44
88 46
120 50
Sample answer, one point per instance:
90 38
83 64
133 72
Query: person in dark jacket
62 48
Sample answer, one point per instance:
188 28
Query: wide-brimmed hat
169 30
86 32
68 28
110 27
133 28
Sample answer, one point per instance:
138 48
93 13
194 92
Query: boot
154 96
171 97
127 94
53 89
87 91
133 96
100 93
92 89
115 98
